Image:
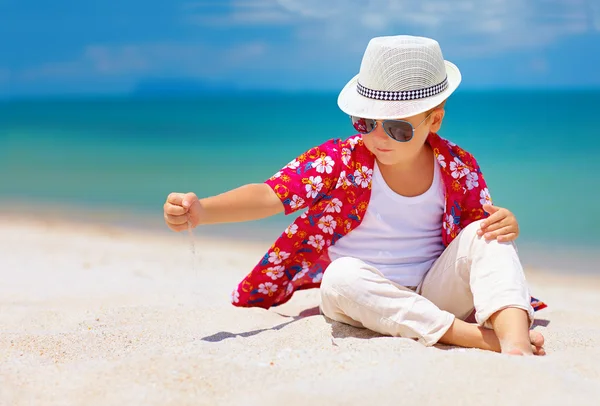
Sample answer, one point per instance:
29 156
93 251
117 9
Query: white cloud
117 60
317 9
192 60
237 12
324 39
249 17
463 26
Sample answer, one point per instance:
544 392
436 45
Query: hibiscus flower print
291 230
441 160
458 168
299 275
314 184
275 272
277 257
296 202
327 224
342 181
363 176
485 197
305 268
267 288
472 180
353 141
448 223
294 164
316 241
318 277
346 155
334 206
235 296
303 272
323 164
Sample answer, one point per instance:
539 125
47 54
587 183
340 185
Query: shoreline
552 258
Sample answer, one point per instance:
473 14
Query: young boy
400 234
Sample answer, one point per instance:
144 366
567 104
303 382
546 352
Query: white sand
93 315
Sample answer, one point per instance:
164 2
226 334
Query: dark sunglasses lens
363 125
399 130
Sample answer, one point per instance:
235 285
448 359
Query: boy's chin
386 159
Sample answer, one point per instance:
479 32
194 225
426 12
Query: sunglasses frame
395 121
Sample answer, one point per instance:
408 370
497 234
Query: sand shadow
223 335
540 322
341 330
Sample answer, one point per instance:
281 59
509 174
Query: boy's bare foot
511 326
470 335
537 345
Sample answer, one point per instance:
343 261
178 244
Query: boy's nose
379 132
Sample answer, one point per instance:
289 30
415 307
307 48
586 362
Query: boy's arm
301 183
249 202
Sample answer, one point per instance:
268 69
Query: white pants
470 274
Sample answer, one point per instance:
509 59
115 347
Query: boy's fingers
174 209
188 199
178 227
494 218
175 198
507 237
490 208
497 225
494 234
176 220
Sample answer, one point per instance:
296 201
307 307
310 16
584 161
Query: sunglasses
399 130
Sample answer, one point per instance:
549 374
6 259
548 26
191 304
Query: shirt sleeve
477 195
308 178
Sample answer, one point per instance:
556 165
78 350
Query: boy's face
390 152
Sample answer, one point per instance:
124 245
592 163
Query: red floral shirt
333 180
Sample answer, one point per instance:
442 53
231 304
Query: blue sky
92 47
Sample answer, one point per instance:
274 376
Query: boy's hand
181 208
501 224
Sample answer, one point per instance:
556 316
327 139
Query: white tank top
400 236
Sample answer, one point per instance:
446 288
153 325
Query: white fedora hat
400 76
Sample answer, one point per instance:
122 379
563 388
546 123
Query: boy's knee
471 229
470 232
340 275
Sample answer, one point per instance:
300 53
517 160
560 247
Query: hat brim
354 104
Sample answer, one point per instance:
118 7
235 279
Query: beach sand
99 315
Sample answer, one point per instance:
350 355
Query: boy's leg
355 293
487 276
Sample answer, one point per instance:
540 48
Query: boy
396 233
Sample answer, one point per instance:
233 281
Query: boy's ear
436 119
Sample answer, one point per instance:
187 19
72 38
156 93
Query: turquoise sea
538 150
